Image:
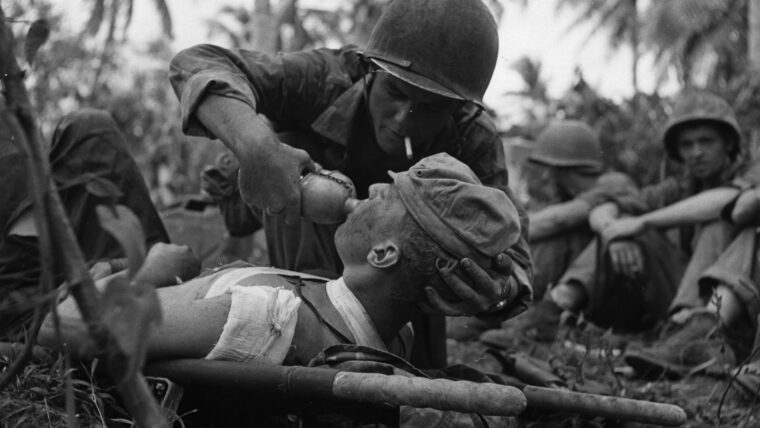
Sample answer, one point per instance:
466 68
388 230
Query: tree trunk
754 34
754 63
264 29
635 47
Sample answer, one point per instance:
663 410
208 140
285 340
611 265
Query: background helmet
568 143
698 106
448 47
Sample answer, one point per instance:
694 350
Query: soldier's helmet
693 107
448 47
569 144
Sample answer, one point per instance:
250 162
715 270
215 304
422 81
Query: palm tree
618 17
754 34
696 35
260 28
529 71
292 27
232 22
114 12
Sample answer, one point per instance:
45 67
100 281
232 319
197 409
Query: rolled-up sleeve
290 89
205 70
633 201
656 196
610 187
620 189
750 177
747 181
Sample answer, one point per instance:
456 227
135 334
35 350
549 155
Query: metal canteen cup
327 196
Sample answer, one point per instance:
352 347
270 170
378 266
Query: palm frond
166 18
96 17
112 22
612 16
239 13
215 27
128 17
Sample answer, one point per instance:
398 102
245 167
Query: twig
50 213
607 350
46 255
754 353
69 388
26 355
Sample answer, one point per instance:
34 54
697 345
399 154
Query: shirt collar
724 178
337 121
355 316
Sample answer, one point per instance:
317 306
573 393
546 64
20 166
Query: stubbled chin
391 145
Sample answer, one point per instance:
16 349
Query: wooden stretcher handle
605 406
308 383
442 394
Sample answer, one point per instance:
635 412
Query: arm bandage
259 327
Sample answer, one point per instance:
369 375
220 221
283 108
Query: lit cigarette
408 145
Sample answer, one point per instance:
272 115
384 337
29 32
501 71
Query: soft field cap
465 217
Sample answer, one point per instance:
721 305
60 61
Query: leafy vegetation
705 42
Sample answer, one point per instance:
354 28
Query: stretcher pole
596 405
306 383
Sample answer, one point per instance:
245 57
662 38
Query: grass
604 372
53 394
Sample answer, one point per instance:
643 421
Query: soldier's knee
86 130
87 118
715 235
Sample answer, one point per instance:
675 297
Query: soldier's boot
540 323
747 380
467 328
747 377
699 345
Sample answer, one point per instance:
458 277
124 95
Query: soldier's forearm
601 216
236 124
747 208
702 207
558 218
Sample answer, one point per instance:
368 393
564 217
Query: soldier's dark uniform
320 98
86 146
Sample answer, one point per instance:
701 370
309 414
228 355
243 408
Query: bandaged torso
267 304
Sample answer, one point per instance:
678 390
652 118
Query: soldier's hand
269 179
168 264
478 293
100 270
626 258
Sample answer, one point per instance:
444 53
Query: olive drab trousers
86 145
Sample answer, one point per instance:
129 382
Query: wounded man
391 245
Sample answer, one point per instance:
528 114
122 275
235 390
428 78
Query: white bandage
259 327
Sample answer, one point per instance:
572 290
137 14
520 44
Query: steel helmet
700 106
568 143
448 47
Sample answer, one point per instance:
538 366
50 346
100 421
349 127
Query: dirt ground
39 398
707 400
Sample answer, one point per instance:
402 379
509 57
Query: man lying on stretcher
391 245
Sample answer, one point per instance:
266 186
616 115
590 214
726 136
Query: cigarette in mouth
408 145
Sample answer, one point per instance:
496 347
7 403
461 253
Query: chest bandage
262 319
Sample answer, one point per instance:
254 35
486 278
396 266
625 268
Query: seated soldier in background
392 246
570 175
703 134
87 148
726 313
